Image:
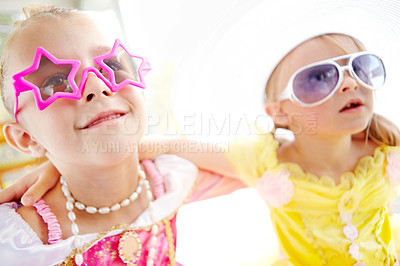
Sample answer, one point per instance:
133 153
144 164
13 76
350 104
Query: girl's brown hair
32 13
379 130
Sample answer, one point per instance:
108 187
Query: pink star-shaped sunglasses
51 78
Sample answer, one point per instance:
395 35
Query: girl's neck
103 186
325 156
99 187
328 150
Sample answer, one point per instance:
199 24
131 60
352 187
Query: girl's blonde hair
379 130
32 13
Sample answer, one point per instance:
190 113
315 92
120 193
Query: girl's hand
31 186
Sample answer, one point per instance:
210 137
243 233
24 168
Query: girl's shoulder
13 226
20 244
30 215
172 164
40 219
250 156
16 237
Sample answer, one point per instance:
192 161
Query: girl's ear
275 111
19 138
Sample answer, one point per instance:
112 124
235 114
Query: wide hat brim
227 71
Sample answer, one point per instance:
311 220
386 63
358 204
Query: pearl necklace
71 202
104 210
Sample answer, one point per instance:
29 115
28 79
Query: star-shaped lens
123 68
44 59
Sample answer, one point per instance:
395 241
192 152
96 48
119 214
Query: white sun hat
226 73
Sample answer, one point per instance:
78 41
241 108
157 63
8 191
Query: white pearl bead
150 262
71 216
75 229
138 190
80 206
62 181
79 259
134 196
154 229
125 202
149 195
104 210
91 209
115 207
141 174
153 240
65 191
152 253
146 184
78 243
69 205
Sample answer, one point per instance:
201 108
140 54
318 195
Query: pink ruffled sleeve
50 219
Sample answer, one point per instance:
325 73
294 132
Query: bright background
210 59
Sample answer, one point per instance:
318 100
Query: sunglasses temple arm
285 94
145 66
16 106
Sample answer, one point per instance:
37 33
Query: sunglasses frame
22 85
288 93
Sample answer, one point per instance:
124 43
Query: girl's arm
32 186
220 179
208 156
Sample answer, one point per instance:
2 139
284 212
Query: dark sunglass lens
370 70
56 83
314 84
50 78
123 66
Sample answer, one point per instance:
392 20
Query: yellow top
316 221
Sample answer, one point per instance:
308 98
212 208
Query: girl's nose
348 83
94 87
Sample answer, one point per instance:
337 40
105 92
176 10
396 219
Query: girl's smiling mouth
102 118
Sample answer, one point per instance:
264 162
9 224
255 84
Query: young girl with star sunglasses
70 88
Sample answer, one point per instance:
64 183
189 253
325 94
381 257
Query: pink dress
176 182
106 250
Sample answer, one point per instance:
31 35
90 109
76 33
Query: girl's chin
343 130
109 159
110 147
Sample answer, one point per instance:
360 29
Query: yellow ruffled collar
378 159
